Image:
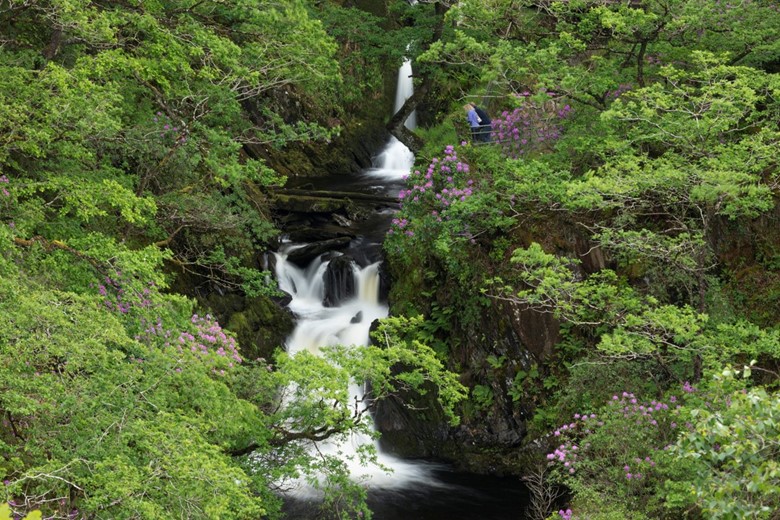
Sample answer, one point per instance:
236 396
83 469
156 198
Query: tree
117 400
635 168
134 122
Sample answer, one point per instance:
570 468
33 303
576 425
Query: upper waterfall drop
396 160
404 91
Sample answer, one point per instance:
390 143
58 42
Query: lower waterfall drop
346 324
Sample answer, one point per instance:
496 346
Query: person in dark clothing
486 124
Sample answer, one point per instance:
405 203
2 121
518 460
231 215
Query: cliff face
496 353
360 136
508 340
493 353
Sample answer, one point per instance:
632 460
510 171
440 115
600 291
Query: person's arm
473 121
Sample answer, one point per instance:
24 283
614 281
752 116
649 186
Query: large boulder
303 256
339 278
260 327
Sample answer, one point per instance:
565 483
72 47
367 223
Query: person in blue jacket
479 121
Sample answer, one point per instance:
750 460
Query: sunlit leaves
732 456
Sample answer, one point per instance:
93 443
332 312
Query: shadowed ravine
335 298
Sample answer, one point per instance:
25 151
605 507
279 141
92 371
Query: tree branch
396 124
48 245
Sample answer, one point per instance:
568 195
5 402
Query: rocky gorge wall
488 352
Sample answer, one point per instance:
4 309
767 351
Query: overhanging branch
396 124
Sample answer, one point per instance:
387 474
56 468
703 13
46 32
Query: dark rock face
304 255
307 234
339 281
260 324
416 431
384 280
488 353
282 300
488 438
348 153
309 204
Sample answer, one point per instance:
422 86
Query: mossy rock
261 327
310 204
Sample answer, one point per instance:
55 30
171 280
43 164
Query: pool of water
450 496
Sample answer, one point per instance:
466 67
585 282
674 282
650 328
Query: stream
412 489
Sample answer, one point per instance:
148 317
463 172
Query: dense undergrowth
629 195
132 138
630 192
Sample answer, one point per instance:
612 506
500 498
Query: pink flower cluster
640 463
117 298
206 339
4 191
630 408
168 130
443 184
619 91
566 454
627 417
529 128
210 336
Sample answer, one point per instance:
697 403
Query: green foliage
699 448
616 452
591 505
100 421
731 454
646 228
116 400
129 137
135 123
482 396
445 215
5 513
555 286
367 50
400 361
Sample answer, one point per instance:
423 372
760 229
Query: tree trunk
396 124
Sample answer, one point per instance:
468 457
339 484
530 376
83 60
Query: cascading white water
347 324
396 160
420 490
404 91
320 326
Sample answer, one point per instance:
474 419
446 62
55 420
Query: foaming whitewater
396 160
404 91
348 324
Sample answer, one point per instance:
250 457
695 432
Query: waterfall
318 326
335 300
404 91
396 160
346 324
368 283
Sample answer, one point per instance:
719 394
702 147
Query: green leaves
732 455
400 362
132 123
5 514
661 184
